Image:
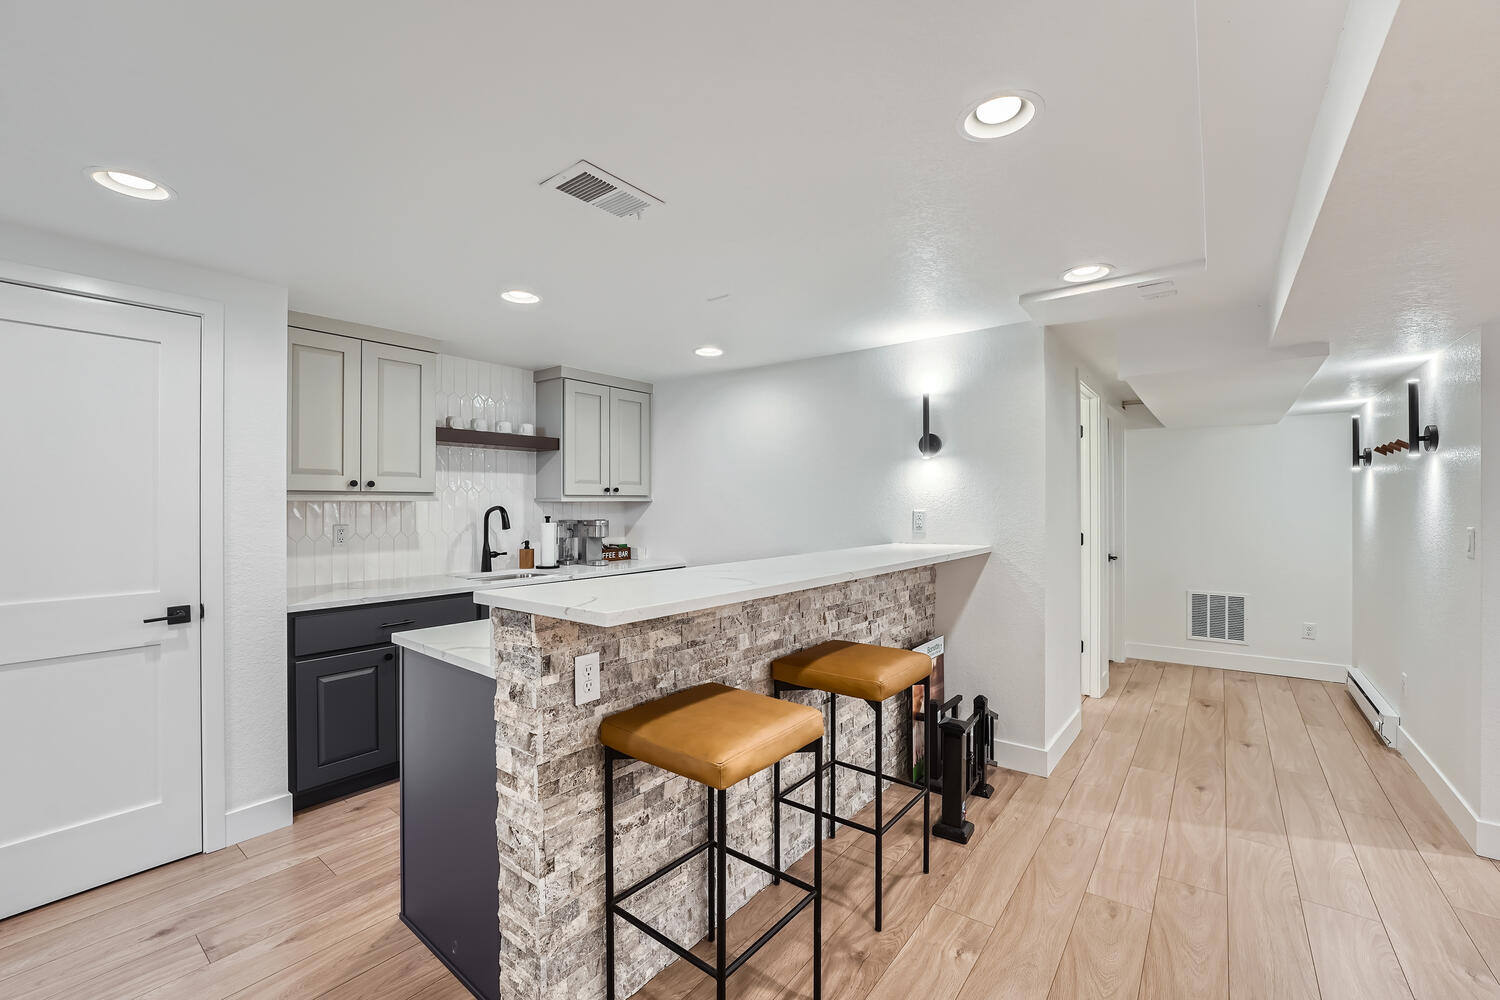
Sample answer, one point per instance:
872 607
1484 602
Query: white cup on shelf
504 427
528 428
479 424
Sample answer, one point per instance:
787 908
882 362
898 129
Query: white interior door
99 710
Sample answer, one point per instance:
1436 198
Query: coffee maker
581 541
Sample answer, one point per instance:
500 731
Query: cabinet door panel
323 412
398 431
346 715
630 443
585 446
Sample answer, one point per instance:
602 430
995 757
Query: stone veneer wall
549 771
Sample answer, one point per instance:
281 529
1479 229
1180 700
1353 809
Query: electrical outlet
340 535
585 678
1309 630
919 522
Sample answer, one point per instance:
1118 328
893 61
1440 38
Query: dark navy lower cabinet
344 693
450 856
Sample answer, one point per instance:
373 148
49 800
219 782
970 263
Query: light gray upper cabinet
630 443
397 433
361 416
604 428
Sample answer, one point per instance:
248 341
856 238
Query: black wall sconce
1361 456
1427 440
928 444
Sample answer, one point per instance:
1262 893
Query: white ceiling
382 159
1400 260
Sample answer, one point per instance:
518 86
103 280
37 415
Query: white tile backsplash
397 538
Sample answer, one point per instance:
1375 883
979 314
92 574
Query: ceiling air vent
1163 289
1216 617
601 189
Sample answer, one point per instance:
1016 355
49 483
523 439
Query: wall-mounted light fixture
1361 456
1427 440
928 444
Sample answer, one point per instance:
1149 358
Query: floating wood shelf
493 439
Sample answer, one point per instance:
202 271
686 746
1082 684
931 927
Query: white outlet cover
585 678
340 535
918 522
1309 630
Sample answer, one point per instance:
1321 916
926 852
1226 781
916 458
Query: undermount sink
505 574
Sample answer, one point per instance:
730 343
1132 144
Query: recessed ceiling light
1086 272
132 185
709 352
999 110
520 297
1001 115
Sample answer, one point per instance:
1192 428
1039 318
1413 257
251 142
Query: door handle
1113 557
177 614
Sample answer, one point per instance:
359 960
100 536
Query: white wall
822 453
1260 510
254 492
1417 595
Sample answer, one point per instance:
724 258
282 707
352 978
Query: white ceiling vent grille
601 189
1216 617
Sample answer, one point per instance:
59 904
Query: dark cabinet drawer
349 628
347 715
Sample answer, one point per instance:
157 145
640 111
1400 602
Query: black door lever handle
177 614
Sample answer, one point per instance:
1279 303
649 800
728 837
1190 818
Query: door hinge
200 612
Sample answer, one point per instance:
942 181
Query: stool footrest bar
665 941
665 869
771 932
804 886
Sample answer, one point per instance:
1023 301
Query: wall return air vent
1216 617
601 189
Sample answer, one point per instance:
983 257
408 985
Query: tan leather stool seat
856 669
714 734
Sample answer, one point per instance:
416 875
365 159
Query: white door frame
210 500
1094 659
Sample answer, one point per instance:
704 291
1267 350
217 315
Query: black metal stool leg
879 811
833 755
817 879
710 864
609 874
776 822
926 788
723 862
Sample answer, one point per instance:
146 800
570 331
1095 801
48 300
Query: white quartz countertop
469 645
611 602
339 595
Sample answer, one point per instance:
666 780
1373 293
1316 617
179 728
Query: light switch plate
340 535
585 678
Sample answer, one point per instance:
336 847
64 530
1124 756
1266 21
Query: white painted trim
1313 670
1483 835
1040 761
211 505
257 818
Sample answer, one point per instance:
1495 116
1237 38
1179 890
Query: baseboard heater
1382 716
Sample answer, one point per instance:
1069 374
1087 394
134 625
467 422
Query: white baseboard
1040 761
1483 835
258 818
1313 670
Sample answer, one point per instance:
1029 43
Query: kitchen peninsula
502 771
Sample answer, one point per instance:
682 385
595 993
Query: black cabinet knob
617 489
390 656
354 482
606 489
370 485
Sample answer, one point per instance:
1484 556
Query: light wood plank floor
1210 834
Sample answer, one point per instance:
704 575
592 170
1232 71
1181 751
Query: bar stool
871 674
717 736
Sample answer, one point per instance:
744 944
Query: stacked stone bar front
550 771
